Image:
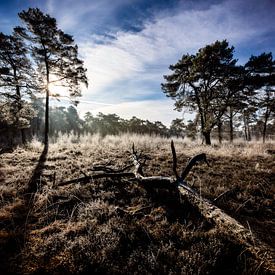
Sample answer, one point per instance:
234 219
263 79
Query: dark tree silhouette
262 78
201 81
55 54
16 81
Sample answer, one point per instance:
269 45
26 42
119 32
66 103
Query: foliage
16 83
262 74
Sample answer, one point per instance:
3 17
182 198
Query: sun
56 89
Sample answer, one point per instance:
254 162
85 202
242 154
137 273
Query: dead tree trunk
209 211
225 223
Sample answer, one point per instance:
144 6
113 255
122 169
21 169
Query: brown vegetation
116 225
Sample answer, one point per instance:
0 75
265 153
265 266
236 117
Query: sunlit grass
75 225
125 141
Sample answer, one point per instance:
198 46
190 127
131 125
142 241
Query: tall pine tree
55 54
16 82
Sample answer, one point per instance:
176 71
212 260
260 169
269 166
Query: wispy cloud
140 59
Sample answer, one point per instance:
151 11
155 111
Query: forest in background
67 120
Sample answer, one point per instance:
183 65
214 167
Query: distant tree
75 123
55 54
16 83
108 124
160 129
58 121
37 123
88 123
262 75
201 81
191 129
136 125
177 127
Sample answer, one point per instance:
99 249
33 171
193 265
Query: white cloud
159 44
106 64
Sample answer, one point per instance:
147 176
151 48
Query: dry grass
116 226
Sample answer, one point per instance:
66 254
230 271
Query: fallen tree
235 231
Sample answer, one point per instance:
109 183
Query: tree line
64 120
211 84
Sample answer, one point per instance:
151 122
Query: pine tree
16 82
200 82
55 54
262 78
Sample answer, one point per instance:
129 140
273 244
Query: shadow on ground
14 230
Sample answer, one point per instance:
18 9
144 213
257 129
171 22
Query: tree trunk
265 124
46 134
220 132
245 132
207 138
231 125
23 136
248 132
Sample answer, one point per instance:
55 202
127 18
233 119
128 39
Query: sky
128 45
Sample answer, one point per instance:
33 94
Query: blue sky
127 45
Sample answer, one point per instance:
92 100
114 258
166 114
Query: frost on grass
116 226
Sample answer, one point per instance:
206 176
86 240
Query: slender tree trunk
23 135
46 133
248 132
265 123
220 131
207 138
245 128
231 125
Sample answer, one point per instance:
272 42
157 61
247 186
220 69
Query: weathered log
235 230
225 223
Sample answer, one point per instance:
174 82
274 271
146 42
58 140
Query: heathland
115 225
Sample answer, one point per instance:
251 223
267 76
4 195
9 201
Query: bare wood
174 160
231 227
137 163
193 161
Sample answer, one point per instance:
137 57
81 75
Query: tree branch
174 160
236 231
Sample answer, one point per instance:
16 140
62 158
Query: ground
116 226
